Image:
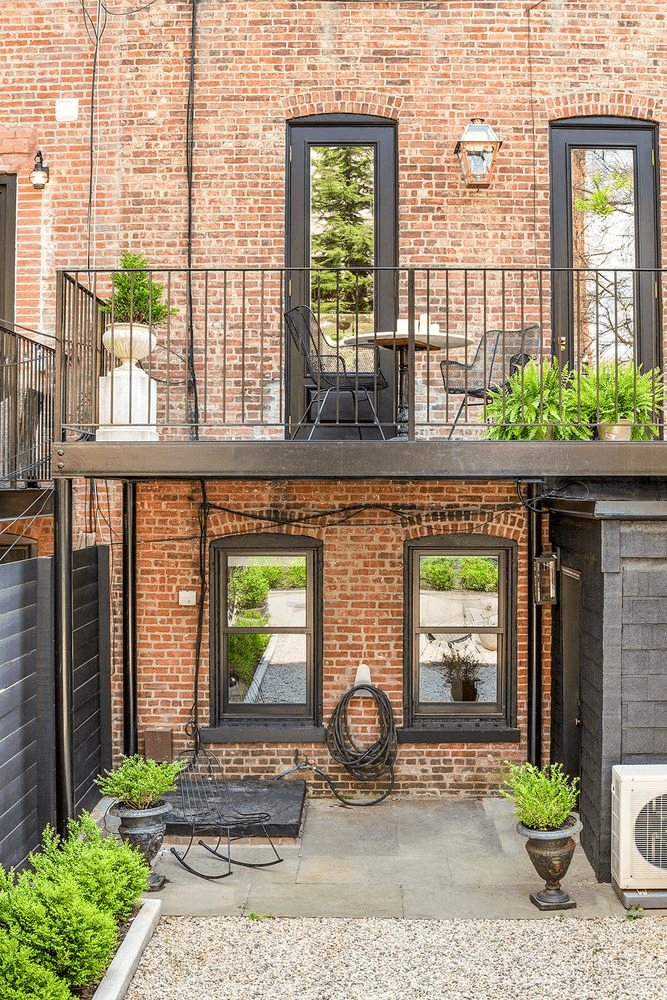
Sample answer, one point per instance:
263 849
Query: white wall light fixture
476 150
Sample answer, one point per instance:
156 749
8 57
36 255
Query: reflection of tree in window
342 232
603 240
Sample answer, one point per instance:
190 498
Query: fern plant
537 402
614 392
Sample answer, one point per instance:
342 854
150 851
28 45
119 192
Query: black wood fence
27 695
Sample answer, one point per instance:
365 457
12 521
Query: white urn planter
127 395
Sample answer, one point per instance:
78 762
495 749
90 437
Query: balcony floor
456 460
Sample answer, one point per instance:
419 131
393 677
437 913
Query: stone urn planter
143 829
544 800
551 852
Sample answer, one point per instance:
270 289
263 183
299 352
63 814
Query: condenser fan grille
651 832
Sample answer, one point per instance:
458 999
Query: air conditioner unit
639 830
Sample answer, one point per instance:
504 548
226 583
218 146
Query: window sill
464 733
270 732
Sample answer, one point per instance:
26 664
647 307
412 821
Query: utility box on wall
157 745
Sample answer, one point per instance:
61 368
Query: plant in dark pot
544 800
138 785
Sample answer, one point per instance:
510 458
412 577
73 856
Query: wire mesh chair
327 366
205 804
499 354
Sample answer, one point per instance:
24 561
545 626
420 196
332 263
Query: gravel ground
237 958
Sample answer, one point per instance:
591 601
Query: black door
362 148
7 243
604 227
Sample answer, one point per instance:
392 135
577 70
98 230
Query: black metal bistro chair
328 367
205 805
499 354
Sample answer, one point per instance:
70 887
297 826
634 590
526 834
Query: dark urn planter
143 828
551 853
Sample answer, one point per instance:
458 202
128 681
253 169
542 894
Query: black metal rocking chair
499 354
206 805
328 368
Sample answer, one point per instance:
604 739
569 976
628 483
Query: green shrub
22 978
66 934
139 783
136 297
543 799
295 576
247 587
274 575
478 573
245 650
108 872
437 573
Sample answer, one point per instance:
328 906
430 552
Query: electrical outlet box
187 598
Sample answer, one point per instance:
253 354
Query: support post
129 618
534 637
62 558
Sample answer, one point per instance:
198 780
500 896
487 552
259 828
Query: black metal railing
221 365
27 384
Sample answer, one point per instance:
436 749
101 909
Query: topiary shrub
66 934
108 872
23 978
478 573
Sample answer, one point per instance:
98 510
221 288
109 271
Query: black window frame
455 725
264 722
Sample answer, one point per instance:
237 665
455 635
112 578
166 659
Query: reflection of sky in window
604 238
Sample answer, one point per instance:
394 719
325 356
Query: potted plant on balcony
622 400
538 402
544 800
134 306
138 785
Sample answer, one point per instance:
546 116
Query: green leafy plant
138 783
107 871
539 401
614 392
437 572
478 573
135 296
247 648
247 587
66 933
23 978
543 798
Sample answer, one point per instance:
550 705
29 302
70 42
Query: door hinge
652 157
289 287
290 152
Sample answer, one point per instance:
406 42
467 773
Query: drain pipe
62 588
129 618
534 635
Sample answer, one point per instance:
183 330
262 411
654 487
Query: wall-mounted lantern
476 150
39 175
544 578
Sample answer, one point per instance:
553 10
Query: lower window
459 646
266 646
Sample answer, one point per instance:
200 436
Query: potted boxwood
622 400
538 402
134 307
138 785
544 800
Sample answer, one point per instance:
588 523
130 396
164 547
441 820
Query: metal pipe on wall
534 634
62 588
129 618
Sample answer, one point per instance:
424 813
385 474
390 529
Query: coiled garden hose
370 763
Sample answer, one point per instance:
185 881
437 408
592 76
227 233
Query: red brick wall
363 608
